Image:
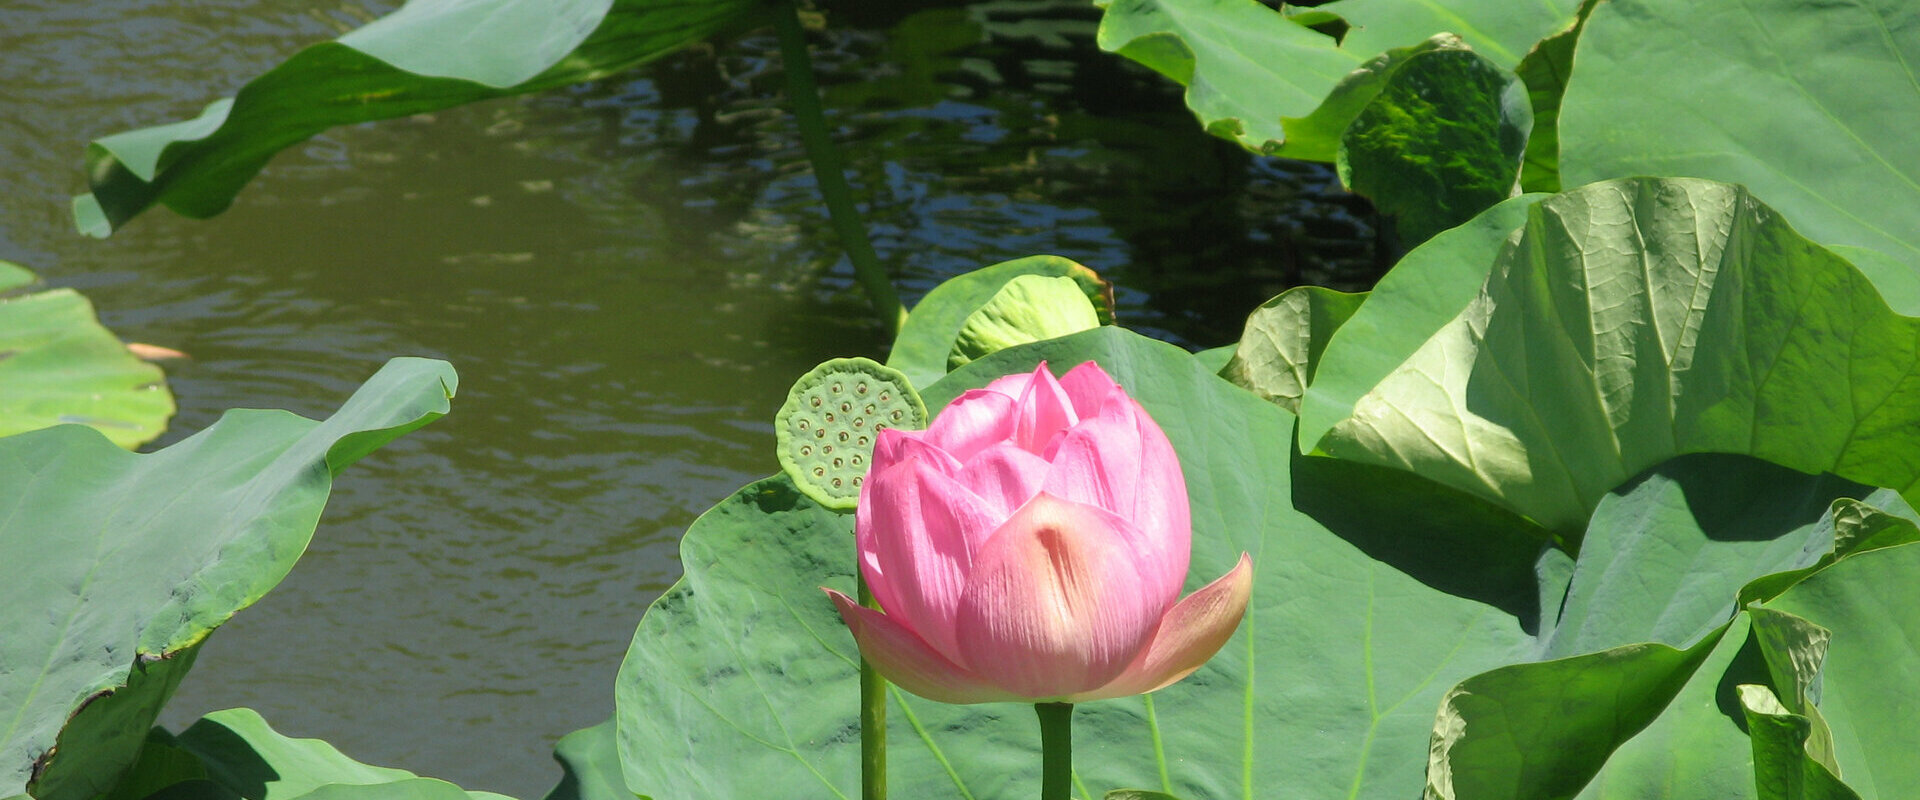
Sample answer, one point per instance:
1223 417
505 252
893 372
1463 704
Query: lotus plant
1031 545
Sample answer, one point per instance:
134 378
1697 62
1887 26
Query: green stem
1056 750
828 173
873 718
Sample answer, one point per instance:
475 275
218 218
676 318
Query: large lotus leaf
1440 143
1542 729
741 680
1870 682
1430 286
1663 561
428 55
1262 79
114 566
234 754
1498 29
58 365
1808 106
927 338
1631 321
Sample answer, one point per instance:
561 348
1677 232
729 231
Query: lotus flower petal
1116 462
906 659
1053 605
974 420
1042 413
1192 632
1006 476
919 548
1088 387
892 446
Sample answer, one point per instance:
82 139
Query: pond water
628 275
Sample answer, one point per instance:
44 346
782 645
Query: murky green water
628 275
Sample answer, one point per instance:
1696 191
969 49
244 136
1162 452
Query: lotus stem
1056 750
873 716
827 171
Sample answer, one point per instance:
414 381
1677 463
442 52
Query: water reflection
628 275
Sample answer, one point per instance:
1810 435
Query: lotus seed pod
826 428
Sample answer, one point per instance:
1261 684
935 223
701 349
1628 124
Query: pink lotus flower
1031 545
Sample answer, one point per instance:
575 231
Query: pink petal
1005 475
1088 386
1054 605
1192 632
917 531
904 658
972 421
1122 462
1044 412
892 446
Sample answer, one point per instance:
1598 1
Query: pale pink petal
1089 386
893 446
917 531
1016 384
1192 632
1120 461
1044 413
903 657
1054 606
972 421
1005 475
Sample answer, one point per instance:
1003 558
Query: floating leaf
57 365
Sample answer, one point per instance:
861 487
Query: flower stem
827 172
873 717
1056 750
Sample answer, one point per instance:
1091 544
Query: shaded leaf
1783 763
1440 143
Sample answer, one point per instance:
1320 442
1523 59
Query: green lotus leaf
1264 79
58 365
1430 286
1870 678
1441 142
590 758
1283 342
430 54
1546 69
1807 106
236 754
1626 323
1783 761
1028 309
115 566
929 334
